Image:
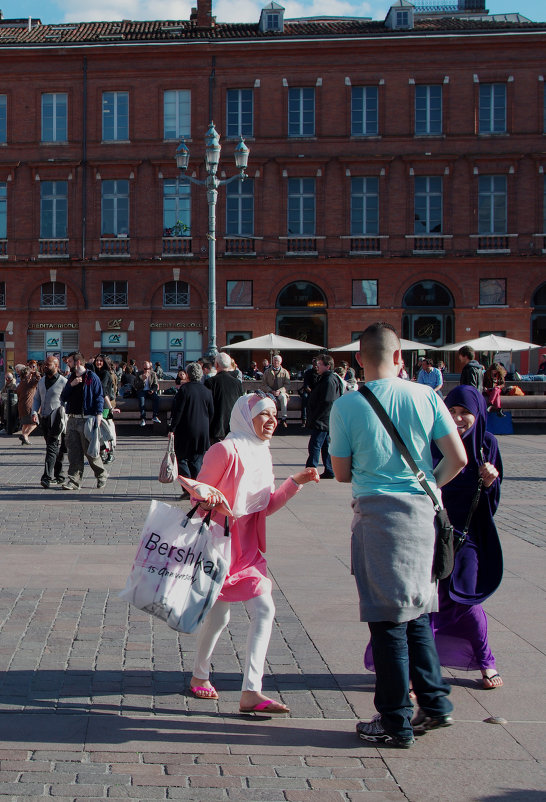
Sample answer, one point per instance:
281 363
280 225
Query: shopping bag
168 470
180 566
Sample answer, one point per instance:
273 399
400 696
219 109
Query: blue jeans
153 397
402 652
318 447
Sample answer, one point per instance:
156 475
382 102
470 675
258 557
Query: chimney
204 16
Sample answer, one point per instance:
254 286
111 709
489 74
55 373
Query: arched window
301 294
53 293
539 297
176 293
428 293
538 315
429 314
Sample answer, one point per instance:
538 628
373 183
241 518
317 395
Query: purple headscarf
464 395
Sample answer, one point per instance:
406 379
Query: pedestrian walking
48 411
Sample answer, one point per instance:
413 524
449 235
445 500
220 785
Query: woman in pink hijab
241 468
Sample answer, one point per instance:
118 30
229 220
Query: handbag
180 566
92 433
444 547
168 470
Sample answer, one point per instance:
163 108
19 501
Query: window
492 292
301 206
364 292
239 112
492 109
543 110
53 293
364 206
238 293
3 210
301 111
428 205
402 19
176 293
115 116
543 207
3 118
364 111
240 208
115 208
176 114
54 117
176 208
273 22
53 209
2 293
114 293
492 204
428 110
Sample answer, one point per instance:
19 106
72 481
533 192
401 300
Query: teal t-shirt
420 416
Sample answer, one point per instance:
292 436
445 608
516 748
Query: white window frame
181 196
3 210
487 106
55 298
424 226
298 115
424 124
361 122
115 99
56 199
366 193
486 203
116 196
297 195
3 119
176 114
238 193
236 125
179 293
120 297
59 116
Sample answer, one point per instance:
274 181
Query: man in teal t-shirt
393 534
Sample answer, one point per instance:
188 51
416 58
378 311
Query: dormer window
400 16
272 18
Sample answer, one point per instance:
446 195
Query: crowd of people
221 439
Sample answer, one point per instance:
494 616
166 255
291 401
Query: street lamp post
212 158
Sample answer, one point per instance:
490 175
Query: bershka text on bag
179 555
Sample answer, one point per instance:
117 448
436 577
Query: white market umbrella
407 345
273 342
492 343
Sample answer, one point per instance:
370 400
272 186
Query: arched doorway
302 313
429 314
538 315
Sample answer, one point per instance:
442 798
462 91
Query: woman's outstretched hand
307 475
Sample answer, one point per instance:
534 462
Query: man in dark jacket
84 398
147 387
472 372
225 389
319 404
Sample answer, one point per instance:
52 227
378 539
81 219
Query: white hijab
257 482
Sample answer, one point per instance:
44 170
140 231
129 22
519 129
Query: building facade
396 173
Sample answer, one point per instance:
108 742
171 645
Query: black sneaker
101 481
46 484
373 732
421 722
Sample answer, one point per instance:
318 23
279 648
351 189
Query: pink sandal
201 692
268 707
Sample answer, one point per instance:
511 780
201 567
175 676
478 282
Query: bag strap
399 443
206 519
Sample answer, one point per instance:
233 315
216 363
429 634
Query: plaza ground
93 700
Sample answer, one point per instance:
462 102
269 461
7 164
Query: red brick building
396 172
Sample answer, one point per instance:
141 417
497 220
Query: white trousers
261 611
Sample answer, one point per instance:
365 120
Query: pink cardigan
247 576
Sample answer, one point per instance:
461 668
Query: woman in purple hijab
460 626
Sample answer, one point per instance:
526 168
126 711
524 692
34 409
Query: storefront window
174 348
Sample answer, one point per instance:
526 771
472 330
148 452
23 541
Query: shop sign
115 323
115 339
53 326
176 325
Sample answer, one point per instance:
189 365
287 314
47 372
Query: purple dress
460 625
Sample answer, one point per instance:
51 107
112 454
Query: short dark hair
378 342
77 356
467 351
327 359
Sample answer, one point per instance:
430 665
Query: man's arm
440 379
454 458
342 468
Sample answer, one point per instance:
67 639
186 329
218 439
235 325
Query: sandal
494 681
268 708
203 693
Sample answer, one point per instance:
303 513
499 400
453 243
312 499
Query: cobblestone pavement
93 693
